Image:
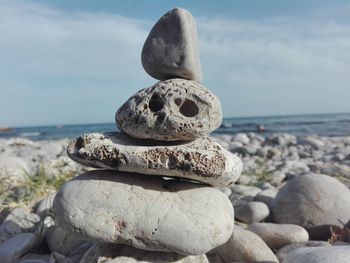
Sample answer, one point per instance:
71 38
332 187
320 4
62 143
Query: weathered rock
312 200
44 206
146 212
338 254
170 110
13 248
171 48
19 220
244 246
279 235
123 254
251 212
201 160
284 251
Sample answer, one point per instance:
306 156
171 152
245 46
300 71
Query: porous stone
250 212
202 160
244 246
171 110
284 251
312 200
113 253
146 212
279 235
333 254
171 48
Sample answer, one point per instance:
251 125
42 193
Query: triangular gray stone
171 48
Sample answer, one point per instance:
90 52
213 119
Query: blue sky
66 62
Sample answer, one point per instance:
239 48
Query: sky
74 62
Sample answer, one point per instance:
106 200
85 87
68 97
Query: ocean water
300 125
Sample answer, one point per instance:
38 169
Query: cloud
79 67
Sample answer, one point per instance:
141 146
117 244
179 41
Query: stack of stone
157 191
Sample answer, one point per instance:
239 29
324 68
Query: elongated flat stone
146 212
171 49
202 160
171 110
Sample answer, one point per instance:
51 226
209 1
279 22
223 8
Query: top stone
171 48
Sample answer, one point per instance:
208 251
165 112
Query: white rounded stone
250 212
279 235
202 160
312 200
171 110
146 212
171 48
338 254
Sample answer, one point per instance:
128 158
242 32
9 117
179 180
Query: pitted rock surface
171 110
146 212
113 253
202 160
171 48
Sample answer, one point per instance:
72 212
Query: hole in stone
178 101
156 103
189 108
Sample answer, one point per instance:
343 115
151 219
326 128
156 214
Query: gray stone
284 251
312 200
266 196
171 48
244 246
333 254
35 258
112 253
44 206
19 220
60 241
202 160
171 110
279 235
146 212
242 138
251 212
13 248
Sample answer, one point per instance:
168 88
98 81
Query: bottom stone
146 212
112 253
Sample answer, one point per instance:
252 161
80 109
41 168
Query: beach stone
146 212
13 248
279 235
171 110
35 258
60 241
250 212
266 196
113 253
19 220
44 206
338 254
171 48
312 200
202 160
284 251
244 246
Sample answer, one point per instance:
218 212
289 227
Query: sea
299 125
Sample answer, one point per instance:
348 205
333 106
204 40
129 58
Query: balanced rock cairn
157 190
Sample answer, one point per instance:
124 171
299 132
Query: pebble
113 253
13 248
244 246
202 160
312 200
171 48
338 254
266 196
279 235
284 251
171 110
250 212
146 212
